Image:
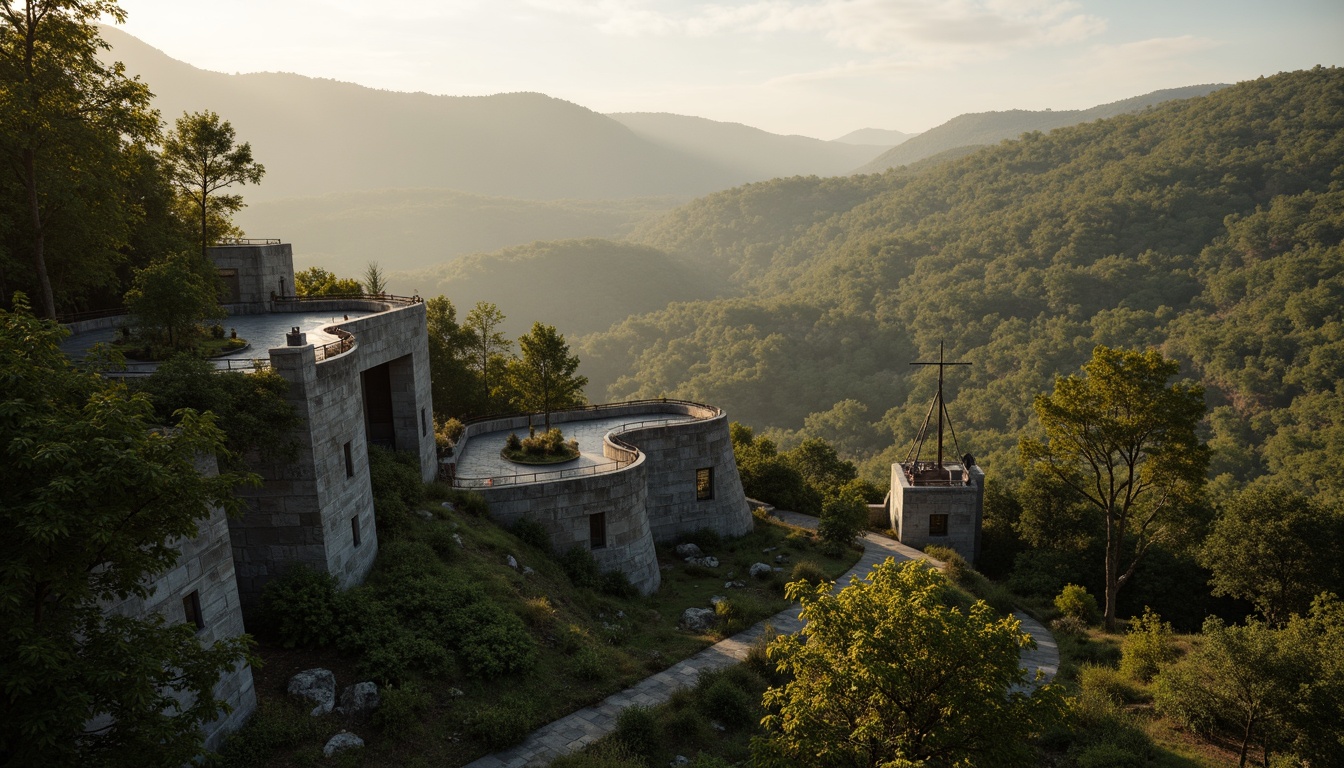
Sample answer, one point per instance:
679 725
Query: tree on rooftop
202 159
316 281
546 377
172 295
488 348
890 673
1124 440
95 493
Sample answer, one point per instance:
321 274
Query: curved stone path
579 729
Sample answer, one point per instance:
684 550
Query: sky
819 68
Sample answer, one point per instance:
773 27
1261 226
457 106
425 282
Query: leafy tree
488 348
374 279
1277 548
454 385
889 673
69 120
1314 638
546 376
95 496
821 466
316 281
769 477
1239 681
202 159
173 295
1124 440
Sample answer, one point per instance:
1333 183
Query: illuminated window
937 525
704 484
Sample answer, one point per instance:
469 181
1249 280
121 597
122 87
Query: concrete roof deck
480 465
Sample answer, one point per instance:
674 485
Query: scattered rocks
680 760
704 562
715 600
318 685
717 725
512 561
455 693
768 550
448 505
424 514
734 584
781 558
688 550
359 700
528 570
457 537
620 614
697 619
341 742
760 570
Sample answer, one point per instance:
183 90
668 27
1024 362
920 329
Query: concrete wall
205 566
308 508
563 508
675 452
912 505
262 270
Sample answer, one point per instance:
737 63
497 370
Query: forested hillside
1209 227
980 128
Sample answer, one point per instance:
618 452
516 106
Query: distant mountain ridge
880 137
983 128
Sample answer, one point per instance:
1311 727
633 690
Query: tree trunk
1246 740
1112 577
39 239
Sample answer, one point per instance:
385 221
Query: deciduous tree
95 492
1124 440
454 386
889 673
546 377
316 281
172 295
488 347
202 159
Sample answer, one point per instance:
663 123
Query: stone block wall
675 453
262 270
205 566
564 508
912 505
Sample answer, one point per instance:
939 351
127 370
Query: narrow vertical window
424 423
704 484
597 530
354 529
349 462
937 525
191 606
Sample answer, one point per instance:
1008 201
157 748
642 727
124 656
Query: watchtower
938 502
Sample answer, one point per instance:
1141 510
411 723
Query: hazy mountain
754 154
405 229
981 128
604 282
878 137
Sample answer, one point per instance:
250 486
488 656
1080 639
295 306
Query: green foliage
454 387
316 281
546 377
1074 602
548 443
277 724
808 571
1276 547
725 700
299 608
95 499
1147 647
503 724
401 709
895 638
638 728
397 488
843 518
171 296
1124 440
486 350
532 533
580 567
608 753
1100 680
769 477
201 159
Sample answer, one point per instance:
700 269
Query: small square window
349 462
597 530
704 484
937 525
354 529
191 606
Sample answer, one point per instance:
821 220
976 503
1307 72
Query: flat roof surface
480 456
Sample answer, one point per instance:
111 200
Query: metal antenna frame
941 405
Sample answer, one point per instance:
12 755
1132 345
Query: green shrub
617 584
397 488
299 608
956 565
1107 755
1073 601
1108 682
401 710
637 727
706 760
842 520
580 567
1147 647
512 443
532 533
722 700
276 725
808 571
731 616
502 724
608 753
1069 625
588 664
489 640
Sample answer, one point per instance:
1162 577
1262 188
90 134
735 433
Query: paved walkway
579 729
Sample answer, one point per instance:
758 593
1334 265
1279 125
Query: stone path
579 729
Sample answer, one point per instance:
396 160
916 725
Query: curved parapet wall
573 509
670 472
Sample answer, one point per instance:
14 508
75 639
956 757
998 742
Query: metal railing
221 365
496 481
388 297
92 314
592 408
333 348
248 241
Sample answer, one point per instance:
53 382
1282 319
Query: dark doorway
233 292
378 424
